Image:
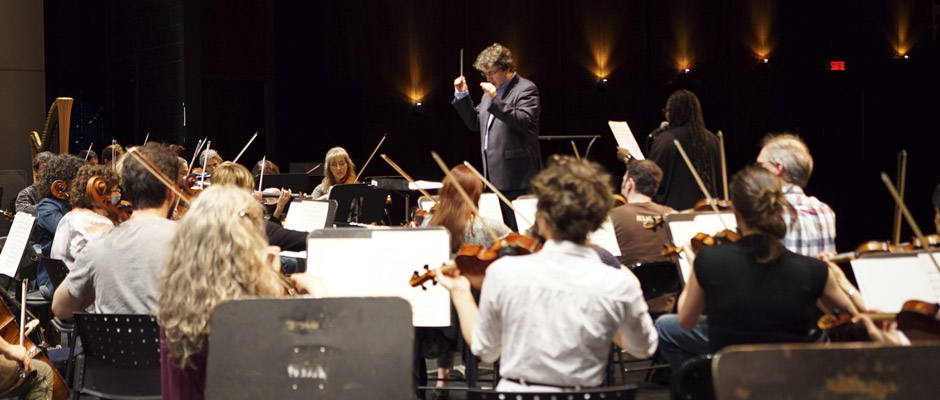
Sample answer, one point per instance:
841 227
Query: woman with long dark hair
687 125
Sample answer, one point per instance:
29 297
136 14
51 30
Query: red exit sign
837 65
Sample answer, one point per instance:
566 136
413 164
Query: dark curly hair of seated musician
573 198
139 186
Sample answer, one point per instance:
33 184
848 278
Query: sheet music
307 215
606 238
380 266
16 243
682 231
426 185
886 282
489 206
525 207
625 138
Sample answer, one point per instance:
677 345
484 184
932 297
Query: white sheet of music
526 207
16 243
886 282
381 266
307 215
625 138
683 231
489 206
606 238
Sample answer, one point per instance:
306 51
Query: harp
55 134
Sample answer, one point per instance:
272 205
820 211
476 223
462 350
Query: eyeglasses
488 74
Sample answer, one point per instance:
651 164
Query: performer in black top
755 290
678 189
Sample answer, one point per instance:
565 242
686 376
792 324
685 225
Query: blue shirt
48 213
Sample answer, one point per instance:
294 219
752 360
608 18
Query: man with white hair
813 230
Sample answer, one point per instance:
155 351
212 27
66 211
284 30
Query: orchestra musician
90 157
508 121
754 290
266 166
229 173
27 198
220 253
117 271
687 125
340 169
111 155
549 293
85 221
210 159
13 360
812 230
638 243
54 204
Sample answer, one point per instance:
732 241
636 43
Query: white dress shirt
550 317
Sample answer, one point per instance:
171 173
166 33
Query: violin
100 194
271 195
706 205
702 240
8 215
879 247
474 259
918 319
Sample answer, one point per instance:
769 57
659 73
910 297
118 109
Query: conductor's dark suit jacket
513 155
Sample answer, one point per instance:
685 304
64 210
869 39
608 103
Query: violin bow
495 190
698 180
202 179
146 138
261 178
408 177
309 171
199 144
902 177
133 151
361 170
88 153
909 217
464 195
724 165
245 148
575 148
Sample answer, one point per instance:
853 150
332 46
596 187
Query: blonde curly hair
217 255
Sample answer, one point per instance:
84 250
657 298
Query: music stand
359 203
300 348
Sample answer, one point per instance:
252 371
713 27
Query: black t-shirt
747 302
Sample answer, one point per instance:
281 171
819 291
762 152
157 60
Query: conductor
508 121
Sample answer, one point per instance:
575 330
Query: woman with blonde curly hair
220 253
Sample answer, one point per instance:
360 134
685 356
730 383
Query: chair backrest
657 278
693 380
55 268
625 392
122 355
300 348
827 371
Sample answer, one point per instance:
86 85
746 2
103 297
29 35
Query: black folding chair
122 356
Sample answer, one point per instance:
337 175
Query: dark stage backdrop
311 75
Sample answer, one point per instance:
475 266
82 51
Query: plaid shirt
814 229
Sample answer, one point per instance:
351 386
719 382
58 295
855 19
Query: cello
11 333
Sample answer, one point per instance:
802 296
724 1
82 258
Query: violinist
340 169
229 173
54 203
85 221
117 271
632 221
754 290
811 230
686 124
207 267
455 215
111 155
13 360
530 303
210 159
265 166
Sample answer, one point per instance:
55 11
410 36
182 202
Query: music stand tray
359 203
311 348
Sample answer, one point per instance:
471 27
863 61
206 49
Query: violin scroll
60 189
